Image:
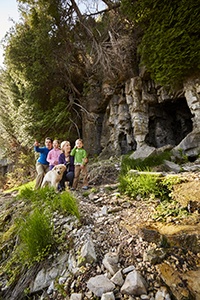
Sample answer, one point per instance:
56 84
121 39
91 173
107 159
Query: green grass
68 204
49 199
28 185
36 236
143 164
145 185
34 227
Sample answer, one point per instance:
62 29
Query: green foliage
143 164
169 208
171 180
49 199
42 73
44 196
67 203
145 185
170 44
36 236
12 268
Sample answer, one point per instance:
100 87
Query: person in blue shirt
42 165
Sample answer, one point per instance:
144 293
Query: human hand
85 160
36 144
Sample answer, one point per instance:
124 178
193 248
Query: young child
80 161
53 155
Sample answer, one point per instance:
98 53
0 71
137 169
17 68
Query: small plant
44 195
68 204
86 194
144 185
11 267
169 208
183 156
93 190
36 236
48 198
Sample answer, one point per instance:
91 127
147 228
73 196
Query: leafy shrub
144 185
36 236
170 209
43 195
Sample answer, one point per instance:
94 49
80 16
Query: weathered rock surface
119 252
140 114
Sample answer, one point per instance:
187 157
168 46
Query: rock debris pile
112 253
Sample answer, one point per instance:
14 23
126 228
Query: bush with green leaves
36 236
145 185
170 208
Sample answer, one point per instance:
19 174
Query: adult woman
68 160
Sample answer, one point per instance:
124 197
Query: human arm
50 158
61 159
85 159
36 144
73 151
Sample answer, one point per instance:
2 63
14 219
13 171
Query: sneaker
85 187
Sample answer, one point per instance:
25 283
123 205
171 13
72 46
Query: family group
53 154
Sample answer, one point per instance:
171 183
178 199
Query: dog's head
59 169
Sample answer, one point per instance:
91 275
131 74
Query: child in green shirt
80 161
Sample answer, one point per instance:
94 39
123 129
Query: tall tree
50 57
170 45
43 64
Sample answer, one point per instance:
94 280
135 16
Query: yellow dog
54 176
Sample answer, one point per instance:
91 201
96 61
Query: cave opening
169 123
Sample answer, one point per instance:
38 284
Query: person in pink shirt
53 155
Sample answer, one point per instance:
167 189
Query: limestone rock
108 296
88 253
134 284
110 261
143 152
100 285
118 278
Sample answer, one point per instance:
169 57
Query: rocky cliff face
138 113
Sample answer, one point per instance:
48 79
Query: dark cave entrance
169 123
